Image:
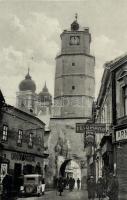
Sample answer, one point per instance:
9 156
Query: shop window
20 137
30 144
5 133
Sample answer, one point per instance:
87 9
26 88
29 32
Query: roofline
84 30
114 64
25 113
104 82
109 67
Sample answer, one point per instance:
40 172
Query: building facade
110 147
73 99
103 141
21 143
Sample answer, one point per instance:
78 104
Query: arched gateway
70 168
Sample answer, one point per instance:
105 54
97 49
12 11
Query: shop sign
121 135
96 128
22 157
3 171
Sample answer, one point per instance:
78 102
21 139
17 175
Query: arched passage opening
63 168
70 168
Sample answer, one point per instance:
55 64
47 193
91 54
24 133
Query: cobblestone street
67 195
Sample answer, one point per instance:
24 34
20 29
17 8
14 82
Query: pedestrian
60 185
100 188
113 187
65 182
91 188
7 187
43 186
71 184
78 183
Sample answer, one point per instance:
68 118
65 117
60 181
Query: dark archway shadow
63 167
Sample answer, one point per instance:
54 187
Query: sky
30 37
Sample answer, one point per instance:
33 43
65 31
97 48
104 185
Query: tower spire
28 74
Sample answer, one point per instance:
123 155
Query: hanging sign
96 128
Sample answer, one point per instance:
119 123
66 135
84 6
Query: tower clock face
74 40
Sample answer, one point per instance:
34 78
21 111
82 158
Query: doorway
17 175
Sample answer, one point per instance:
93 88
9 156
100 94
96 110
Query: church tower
26 96
74 78
73 99
43 106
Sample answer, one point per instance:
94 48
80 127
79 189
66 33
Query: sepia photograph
63 99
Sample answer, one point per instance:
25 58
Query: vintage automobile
33 184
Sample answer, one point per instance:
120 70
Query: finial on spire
28 70
76 16
45 84
28 74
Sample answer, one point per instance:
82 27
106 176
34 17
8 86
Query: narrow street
67 195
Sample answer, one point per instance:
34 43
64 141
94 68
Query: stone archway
70 168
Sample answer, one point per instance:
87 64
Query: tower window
73 64
73 87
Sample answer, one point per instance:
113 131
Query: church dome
45 95
27 84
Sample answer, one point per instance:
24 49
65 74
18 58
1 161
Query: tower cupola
27 84
75 25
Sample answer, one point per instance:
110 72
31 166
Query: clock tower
73 99
74 79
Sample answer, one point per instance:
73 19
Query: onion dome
45 95
27 84
75 25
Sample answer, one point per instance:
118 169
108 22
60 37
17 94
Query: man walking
60 185
78 183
